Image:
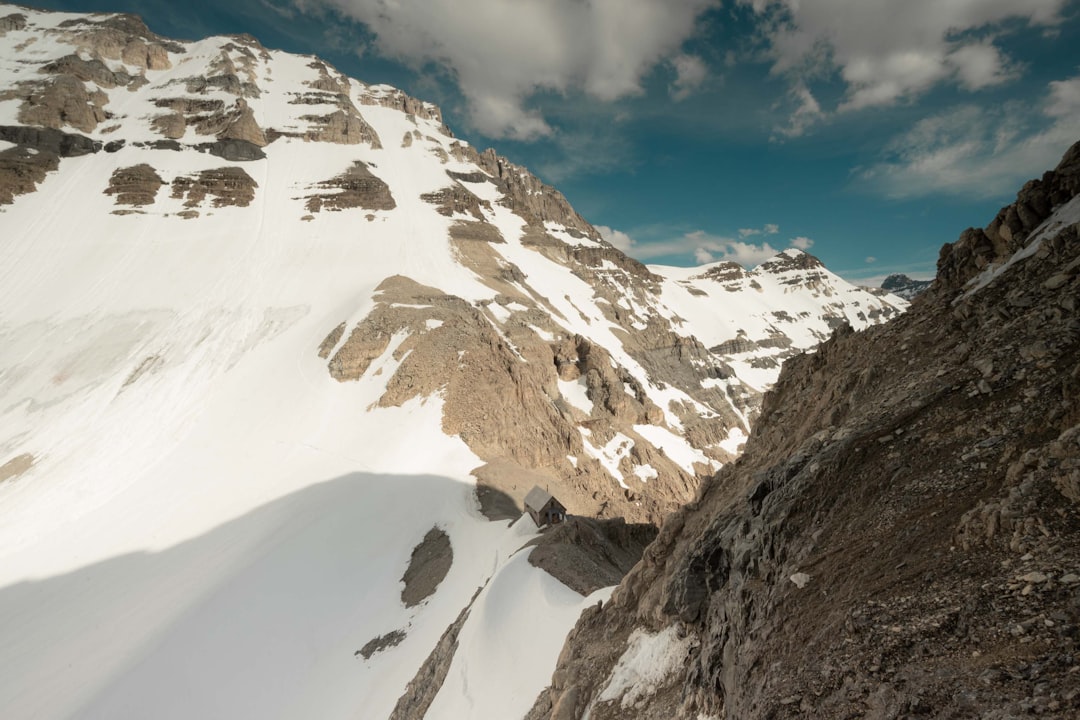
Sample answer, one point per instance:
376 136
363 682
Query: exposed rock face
977 249
22 169
901 536
209 117
508 410
61 101
120 37
226 185
344 126
38 152
423 688
135 185
525 194
357 187
14 21
587 555
905 287
428 566
393 98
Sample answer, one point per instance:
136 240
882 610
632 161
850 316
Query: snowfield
199 521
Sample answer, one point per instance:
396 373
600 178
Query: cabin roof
537 498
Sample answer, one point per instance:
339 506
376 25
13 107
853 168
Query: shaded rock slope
901 537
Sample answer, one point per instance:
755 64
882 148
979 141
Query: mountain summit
280 355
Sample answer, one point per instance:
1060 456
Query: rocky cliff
901 537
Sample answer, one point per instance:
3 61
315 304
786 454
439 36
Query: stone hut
544 508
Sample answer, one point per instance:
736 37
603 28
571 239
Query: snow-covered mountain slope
262 328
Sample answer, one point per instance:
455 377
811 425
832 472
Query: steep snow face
756 318
259 325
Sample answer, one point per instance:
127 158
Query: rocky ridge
903 286
901 537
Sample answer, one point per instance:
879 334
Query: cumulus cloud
979 152
617 238
702 246
886 51
501 53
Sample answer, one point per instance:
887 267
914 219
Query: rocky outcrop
586 554
13 21
22 169
357 187
37 153
136 185
225 186
422 689
209 117
92 70
901 536
344 126
978 249
456 200
49 140
59 102
386 96
119 37
499 384
903 286
428 566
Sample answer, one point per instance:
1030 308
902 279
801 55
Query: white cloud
887 51
807 111
690 72
617 238
703 247
870 259
703 256
979 152
501 53
766 229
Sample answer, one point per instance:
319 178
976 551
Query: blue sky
869 132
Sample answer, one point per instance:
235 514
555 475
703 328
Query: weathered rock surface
357 187
902 535
135 185
225 185
38 152
586 554
60 101
12 21
428 566
502 397
905 287
22 169
422 689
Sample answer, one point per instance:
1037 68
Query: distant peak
791 259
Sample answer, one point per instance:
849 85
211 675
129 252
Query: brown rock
226 185
135 185
357 187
